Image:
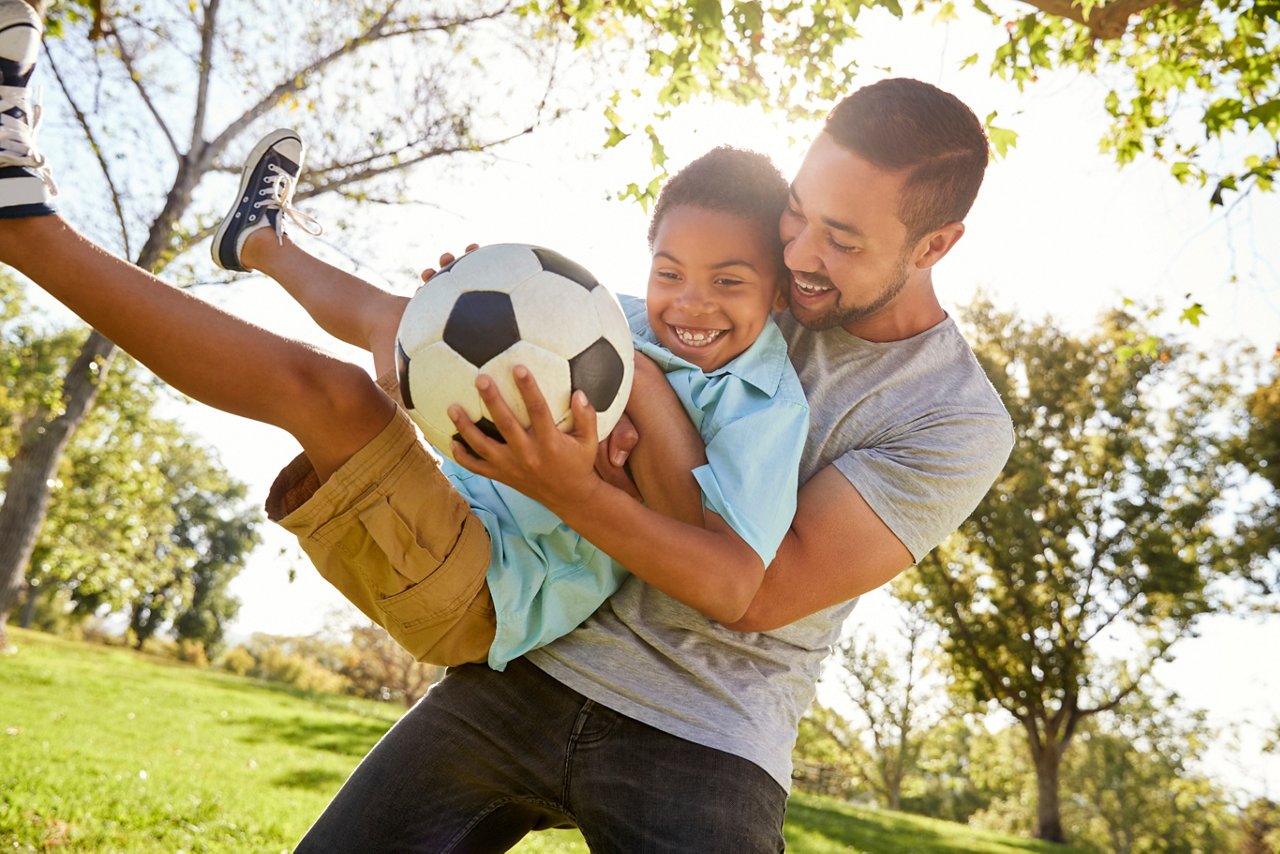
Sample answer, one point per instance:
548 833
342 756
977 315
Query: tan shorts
390 532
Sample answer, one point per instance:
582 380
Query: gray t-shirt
918 430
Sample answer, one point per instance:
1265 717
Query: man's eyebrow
831 222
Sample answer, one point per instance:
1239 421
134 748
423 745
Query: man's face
845 245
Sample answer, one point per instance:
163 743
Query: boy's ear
782 293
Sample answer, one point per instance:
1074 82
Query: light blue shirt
545 578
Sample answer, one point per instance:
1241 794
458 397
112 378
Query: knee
340 400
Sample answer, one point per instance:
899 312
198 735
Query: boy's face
712 285
845 246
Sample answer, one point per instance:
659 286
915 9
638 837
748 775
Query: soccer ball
505 305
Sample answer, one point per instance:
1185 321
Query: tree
143 518
1106 527
1258 450
379 668
886 689
377 88
827 753
1135 784
212 535
1182 73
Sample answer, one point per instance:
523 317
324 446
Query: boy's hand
546 464
445 260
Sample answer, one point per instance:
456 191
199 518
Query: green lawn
104 750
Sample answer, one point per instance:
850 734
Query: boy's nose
696 299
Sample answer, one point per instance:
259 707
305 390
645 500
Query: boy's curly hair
729 180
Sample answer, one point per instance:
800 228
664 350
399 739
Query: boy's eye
666 274
724 280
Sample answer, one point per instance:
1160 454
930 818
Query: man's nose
799 252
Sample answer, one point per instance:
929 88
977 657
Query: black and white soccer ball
505 305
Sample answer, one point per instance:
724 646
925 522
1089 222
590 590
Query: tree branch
136 78
83 121
1105 21
376 171
297 80
208 29
1133 686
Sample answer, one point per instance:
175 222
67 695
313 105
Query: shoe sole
250 164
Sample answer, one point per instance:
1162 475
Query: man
653 728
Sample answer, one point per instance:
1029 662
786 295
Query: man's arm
837 547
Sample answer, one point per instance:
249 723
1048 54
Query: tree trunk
32 470
1048 807
26 499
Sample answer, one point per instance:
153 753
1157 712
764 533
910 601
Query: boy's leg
345 306
252 237
330 406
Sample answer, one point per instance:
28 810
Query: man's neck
915 310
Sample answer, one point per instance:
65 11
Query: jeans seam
479 817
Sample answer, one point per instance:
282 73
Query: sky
1058 230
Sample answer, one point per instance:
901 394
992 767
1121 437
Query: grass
105 750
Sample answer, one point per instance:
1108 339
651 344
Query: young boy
715 280
410 546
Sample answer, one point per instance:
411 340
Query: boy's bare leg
345 306
330 406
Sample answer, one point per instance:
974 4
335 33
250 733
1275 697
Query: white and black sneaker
267 183
26 184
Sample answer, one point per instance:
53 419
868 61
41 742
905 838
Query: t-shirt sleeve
752 474
925 482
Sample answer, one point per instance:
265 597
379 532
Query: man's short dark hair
732 181
906 125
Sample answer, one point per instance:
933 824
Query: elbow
734 604
754 618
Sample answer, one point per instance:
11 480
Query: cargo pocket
428 591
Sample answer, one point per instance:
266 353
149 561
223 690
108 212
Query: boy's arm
708 566
662 465
837 547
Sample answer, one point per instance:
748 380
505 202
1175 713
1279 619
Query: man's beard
839 315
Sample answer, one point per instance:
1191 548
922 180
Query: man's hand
612 455
445 260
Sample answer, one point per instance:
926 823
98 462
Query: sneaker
26 184
267 183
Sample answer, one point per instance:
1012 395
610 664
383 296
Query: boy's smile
713 284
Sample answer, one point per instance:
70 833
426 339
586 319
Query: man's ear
934 246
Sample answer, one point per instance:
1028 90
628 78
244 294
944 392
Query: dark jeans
487 757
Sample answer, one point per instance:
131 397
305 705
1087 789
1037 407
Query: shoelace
17 136
279 194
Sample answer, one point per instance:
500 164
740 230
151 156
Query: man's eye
840 247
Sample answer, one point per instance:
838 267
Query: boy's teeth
697 337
